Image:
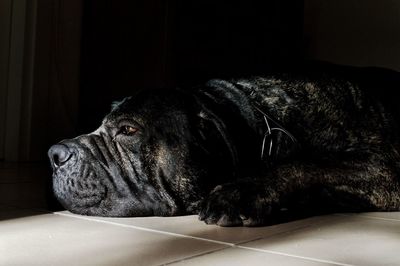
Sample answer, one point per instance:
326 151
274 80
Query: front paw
237 205
221 207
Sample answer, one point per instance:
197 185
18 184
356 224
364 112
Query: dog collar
273 127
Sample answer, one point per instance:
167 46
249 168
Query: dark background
79 56
64 61
131 45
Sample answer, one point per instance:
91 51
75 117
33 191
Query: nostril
59 154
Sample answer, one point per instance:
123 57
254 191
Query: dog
238 152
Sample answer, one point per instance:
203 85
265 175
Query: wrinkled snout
77 184
95 174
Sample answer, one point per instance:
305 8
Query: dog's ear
215 136
115 104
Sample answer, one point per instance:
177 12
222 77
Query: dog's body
237 152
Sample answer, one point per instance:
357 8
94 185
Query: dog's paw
221 207
227 205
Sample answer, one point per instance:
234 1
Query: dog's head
150 156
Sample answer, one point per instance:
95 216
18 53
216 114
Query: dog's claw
225 220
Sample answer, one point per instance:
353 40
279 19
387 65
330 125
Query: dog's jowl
236 152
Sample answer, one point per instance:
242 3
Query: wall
5 18
14 62
353 32
39 75
55 77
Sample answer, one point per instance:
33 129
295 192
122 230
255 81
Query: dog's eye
128 130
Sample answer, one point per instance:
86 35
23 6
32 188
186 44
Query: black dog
237 152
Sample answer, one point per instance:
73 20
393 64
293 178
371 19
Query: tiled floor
29 235
61 238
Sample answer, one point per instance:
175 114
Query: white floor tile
241 257
354 240
190 225
382 215
50 239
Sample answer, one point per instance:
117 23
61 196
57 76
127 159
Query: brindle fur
199 151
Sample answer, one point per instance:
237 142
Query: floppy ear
215 135
115 104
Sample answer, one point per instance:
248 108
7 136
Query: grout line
368 216
263 251
237 245
295 256
146 229
202 239
194 256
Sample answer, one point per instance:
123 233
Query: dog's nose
59 154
